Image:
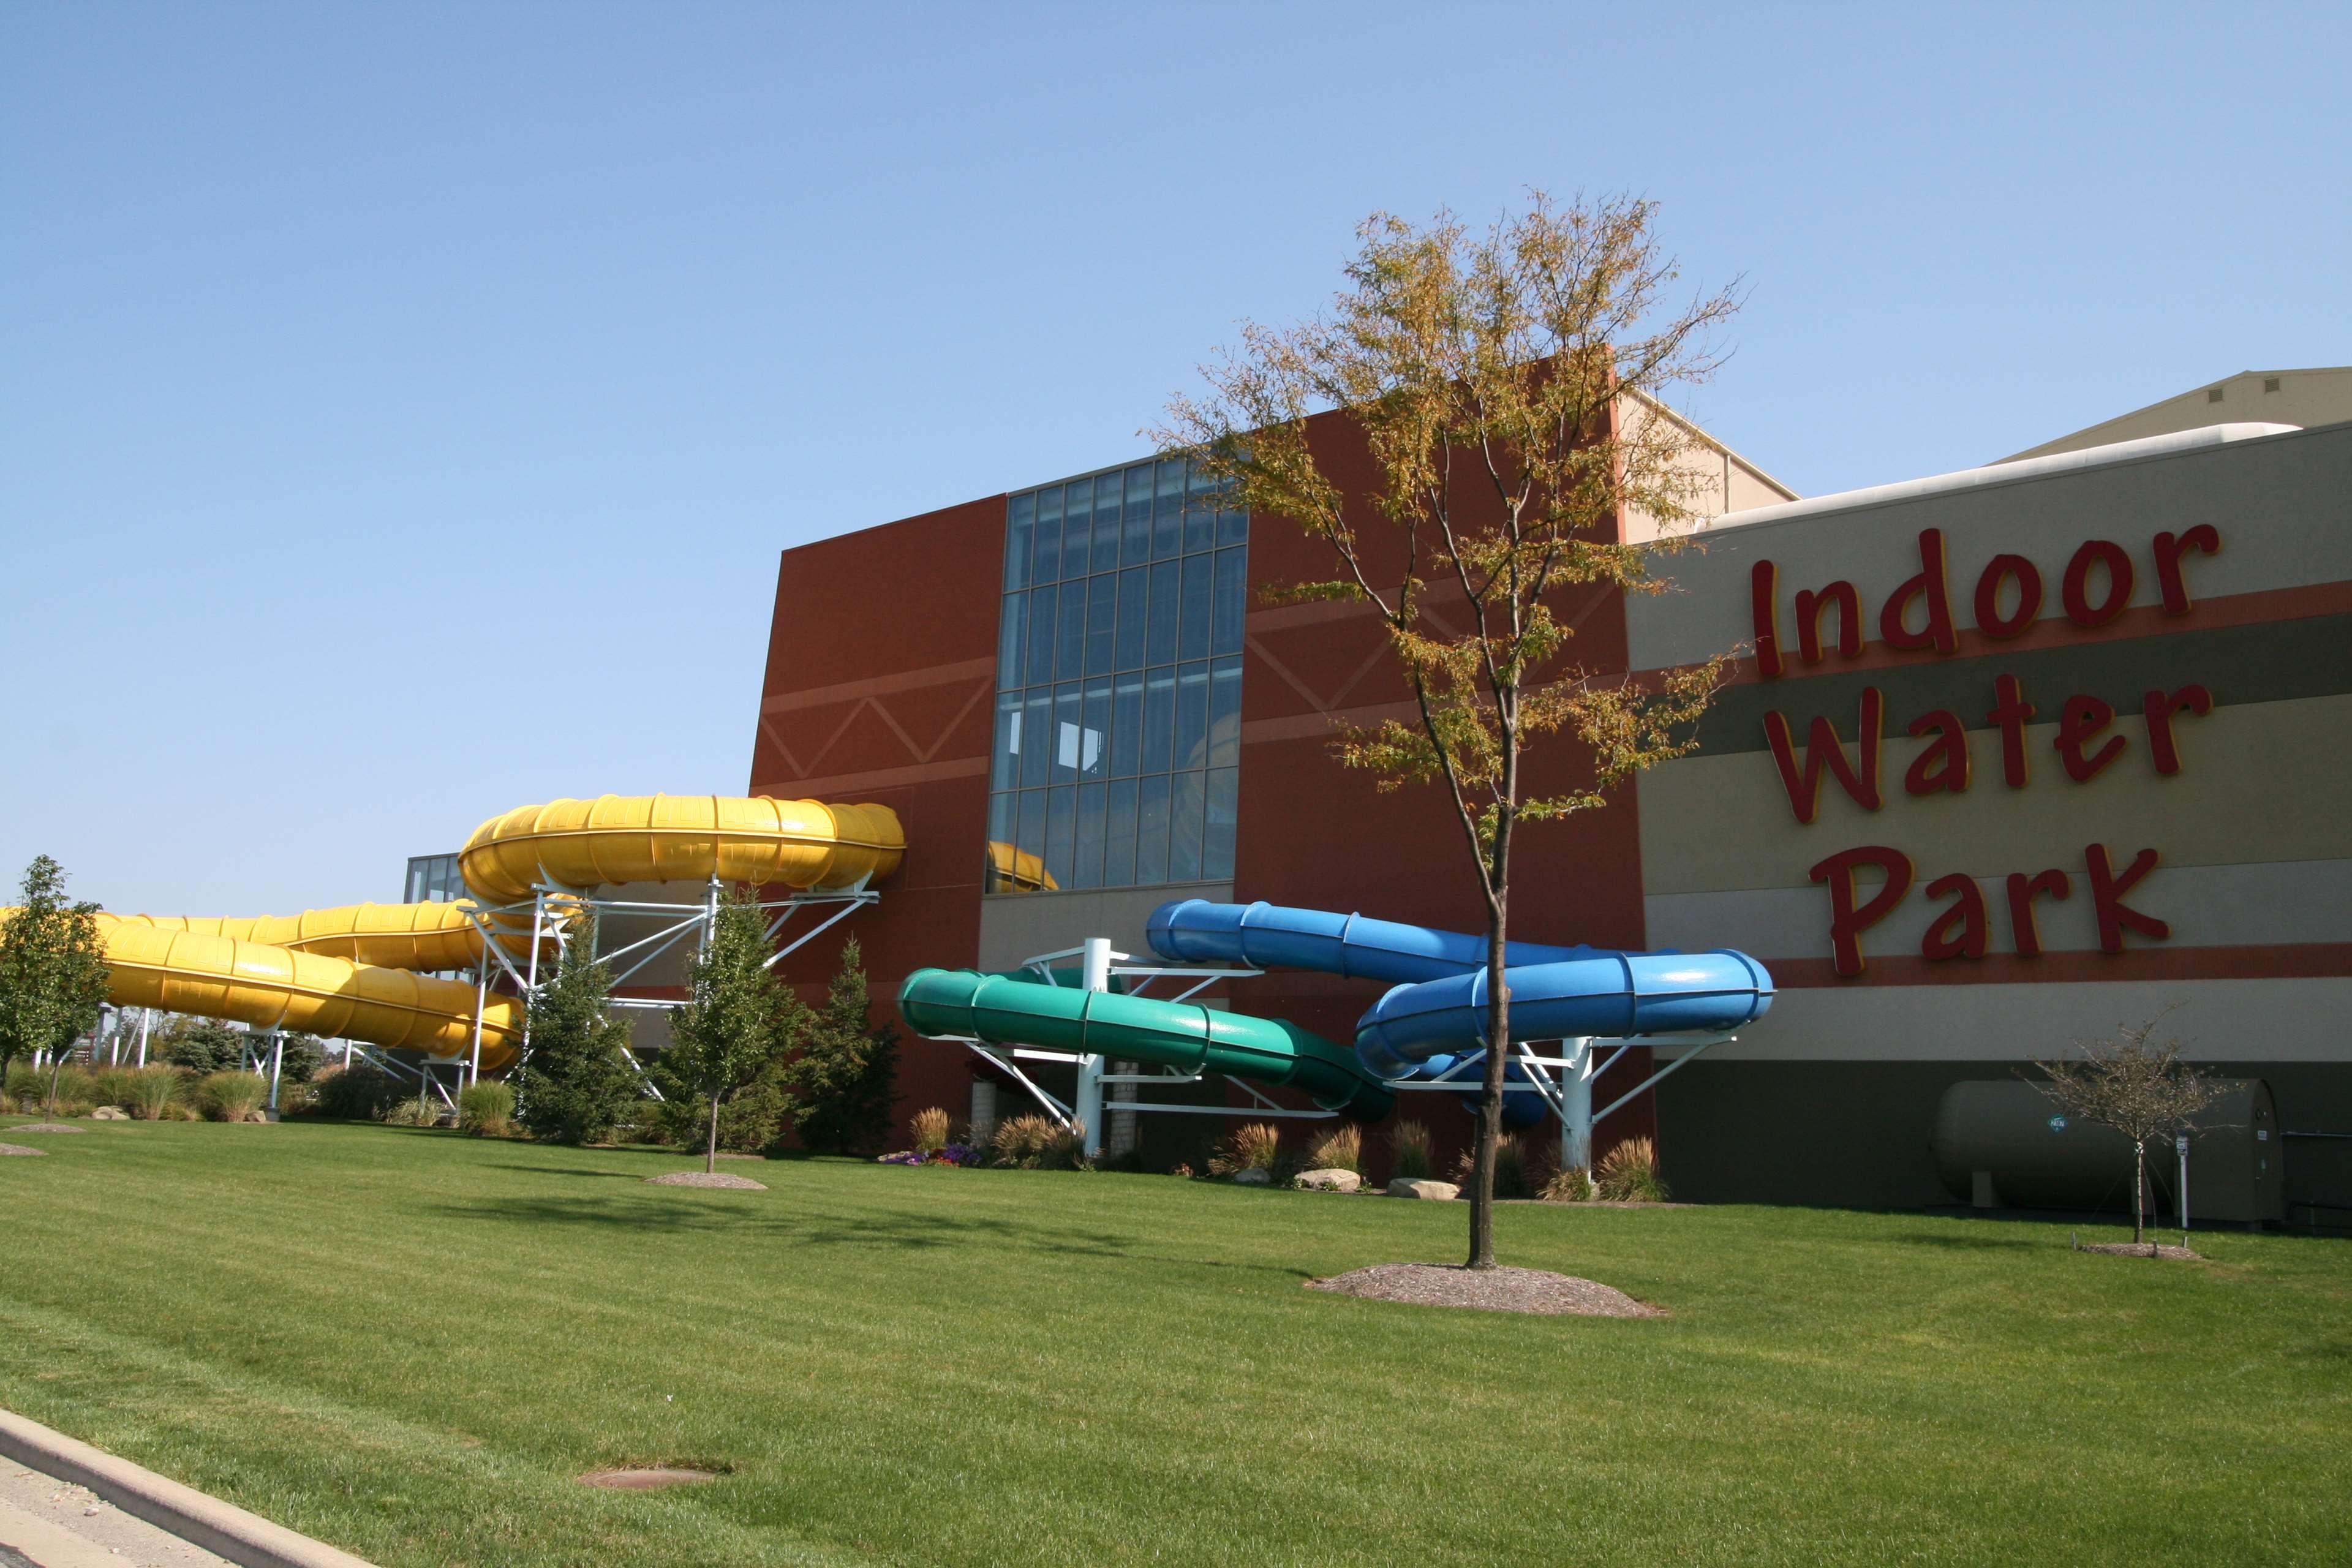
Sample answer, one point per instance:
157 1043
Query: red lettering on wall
2023 891
1849 919
1990 620
2107 890
1764 610
1810 605
2075 591
2205 539
1943 763
2012 712
1958 932
2082 719
1927 587
1823 749
2159 707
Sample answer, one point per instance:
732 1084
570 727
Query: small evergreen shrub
203 1046
1628 1174
360 1093
1342 1149
1409 1150
231 1096
1254 1146
929 1126
486 1109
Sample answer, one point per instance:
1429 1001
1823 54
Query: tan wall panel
2263 782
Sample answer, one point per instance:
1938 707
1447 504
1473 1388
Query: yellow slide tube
356 972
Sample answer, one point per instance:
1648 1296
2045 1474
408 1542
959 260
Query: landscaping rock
110 1113
1253 1178
1328 1181
1414 1187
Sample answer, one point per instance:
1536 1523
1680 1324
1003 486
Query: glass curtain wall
1118 675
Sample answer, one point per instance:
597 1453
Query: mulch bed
47 1127
1486 1289
2142 1249
708 1179
8 1148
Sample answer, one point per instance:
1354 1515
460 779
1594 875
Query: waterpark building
2014 756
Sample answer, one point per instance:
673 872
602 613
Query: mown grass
410 1342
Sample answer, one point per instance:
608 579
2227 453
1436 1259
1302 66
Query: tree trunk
1490 1095
710 1153
56 1066
2139 1187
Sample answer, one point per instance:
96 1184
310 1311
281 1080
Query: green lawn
409 1343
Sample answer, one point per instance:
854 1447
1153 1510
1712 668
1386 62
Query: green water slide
1005 1010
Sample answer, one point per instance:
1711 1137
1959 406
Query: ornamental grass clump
231 1096
1628 1174
1516 1173
1408 1150
1574 1185
1342 1149
486 1110
929 1126
1038 1143
1254 1146
150 1093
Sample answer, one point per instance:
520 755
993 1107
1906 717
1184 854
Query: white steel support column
146 1017
1096 976
481 1001
277 1064
1575 1100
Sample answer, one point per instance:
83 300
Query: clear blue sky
404 405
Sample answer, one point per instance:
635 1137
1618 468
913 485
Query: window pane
1137 548
1127 725
1232 526
1093 753
1184 814
1033 822
1199 513
1199 576
1168 511
1047 558
1118 837
1092 806
1225 800
1069 737
1004 814
1161 646
1005 769
1231 601
1151 831
1012 639
1102 610
1106 550
1158 716
1077 526
1071 660
1037 724
1041 634
1061 819
1132 624
1193 716
1225 714
1020 522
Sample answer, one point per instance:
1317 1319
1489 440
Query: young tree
845 1079
1503 386
53 973
202 1045
723 1040
575 1079
2141 1090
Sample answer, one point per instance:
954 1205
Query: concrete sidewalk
49 1523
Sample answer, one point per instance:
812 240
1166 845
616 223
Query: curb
195 1517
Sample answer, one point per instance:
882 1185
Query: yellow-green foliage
1628 1174
231 1096
1341 1148
1038 1143
929 1126
1574 1185
150 1092
1409 1150
486 1109
1254 1146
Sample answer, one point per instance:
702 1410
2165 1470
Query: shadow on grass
1979 1243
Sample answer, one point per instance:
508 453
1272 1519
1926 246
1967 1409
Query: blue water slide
1437 1004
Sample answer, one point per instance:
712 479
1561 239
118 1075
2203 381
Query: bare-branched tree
2137 1086
1505 385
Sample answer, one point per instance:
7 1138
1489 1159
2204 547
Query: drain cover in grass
646 1477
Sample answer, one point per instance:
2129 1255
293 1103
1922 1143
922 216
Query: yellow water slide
360 972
